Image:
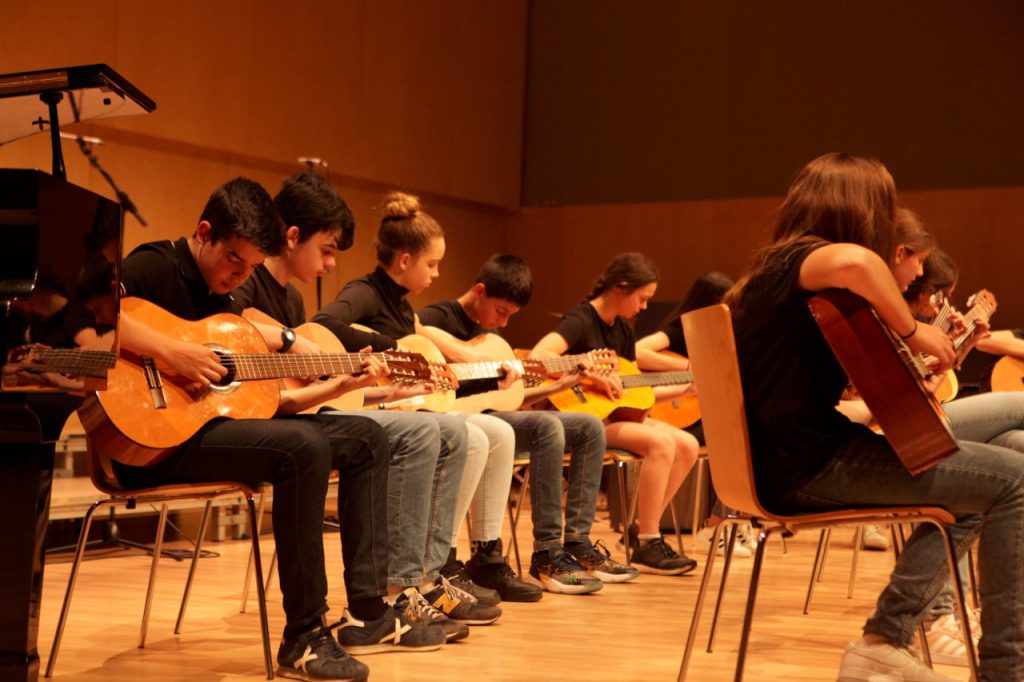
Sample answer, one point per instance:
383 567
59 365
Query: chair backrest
712 351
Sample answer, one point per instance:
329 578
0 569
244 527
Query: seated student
707 289
502 288
192 278
423 451
835 229
621 292
410 246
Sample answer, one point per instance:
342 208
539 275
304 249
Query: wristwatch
287 339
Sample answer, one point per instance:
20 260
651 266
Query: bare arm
650 358
452 348
551 346
191 360
1002 342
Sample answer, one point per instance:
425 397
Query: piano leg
26 477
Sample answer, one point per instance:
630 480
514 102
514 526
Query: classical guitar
982 304
635 402
888 376
148 410
679 412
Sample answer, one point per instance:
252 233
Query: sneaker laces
419 607
453 592
663 548
325 645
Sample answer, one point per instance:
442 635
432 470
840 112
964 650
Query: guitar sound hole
229 378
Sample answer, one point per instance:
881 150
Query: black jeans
295 454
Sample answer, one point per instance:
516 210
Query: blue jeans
996 418
428 453
983 487
547 436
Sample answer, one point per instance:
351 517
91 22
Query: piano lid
94 91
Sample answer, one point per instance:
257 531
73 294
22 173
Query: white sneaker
884 663
739 550
946 641
873 538
746 534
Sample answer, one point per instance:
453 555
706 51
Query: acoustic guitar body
128 422
633 406
679 412
1008 374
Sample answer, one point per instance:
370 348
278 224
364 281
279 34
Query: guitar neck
256 366
564 363
488 369
90 363
656 379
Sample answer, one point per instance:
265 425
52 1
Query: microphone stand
126 202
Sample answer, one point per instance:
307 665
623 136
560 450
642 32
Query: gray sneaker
868 662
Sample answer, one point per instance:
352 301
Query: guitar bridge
580 395
155 383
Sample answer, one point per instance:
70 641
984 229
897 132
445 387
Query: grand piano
58 242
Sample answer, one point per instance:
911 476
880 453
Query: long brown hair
837 198
405 228
911 232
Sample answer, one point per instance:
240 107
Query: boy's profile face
494 312
314 257
228 263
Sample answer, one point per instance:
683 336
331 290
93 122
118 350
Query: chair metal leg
624 511
751 598
819 559
858 538
513 520
732 524
270 570
705 581
192 567
961 606
248 569
824 554
697 497
158 544
973 579
261 594
83 538
675 526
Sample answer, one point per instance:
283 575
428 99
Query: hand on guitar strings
930 340
196 362
608 384
509 375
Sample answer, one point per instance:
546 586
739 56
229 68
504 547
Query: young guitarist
192 278
410 246
621 292
427 455
835 230
502 288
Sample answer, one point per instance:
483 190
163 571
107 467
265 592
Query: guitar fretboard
489 369
256 366
91 363
656 379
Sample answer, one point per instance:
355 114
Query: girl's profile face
631 303
908 265
417 272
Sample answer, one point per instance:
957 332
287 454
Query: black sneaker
390 632
489 568
459 605
456 573
597 561
413 606
316 655
557 571
655 556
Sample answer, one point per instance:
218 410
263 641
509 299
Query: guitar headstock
534 372
603 360
443 376
408 368
983 300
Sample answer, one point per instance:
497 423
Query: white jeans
487 477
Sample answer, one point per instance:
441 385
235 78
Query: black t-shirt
375 301
165 273
791 380
673 329
263 292
452 318
584 331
